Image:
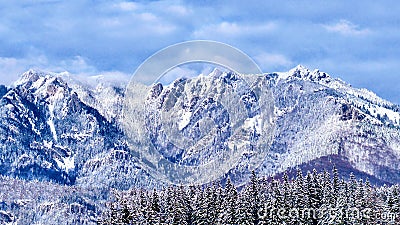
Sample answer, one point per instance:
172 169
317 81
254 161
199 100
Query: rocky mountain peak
302 72
29 76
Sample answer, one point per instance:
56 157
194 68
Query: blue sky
357 41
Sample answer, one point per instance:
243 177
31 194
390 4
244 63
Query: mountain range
66 141
56 128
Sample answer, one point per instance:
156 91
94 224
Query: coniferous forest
312 198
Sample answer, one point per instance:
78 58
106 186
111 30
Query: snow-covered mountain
55 131
72 132
56 128
322 117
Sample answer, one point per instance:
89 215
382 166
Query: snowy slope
319 116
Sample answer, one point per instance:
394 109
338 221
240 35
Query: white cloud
116 78
269 62
78 64
9 70
347 28
127 6
233 29
150 17
136 25
179 10
12 68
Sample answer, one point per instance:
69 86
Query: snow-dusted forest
312 198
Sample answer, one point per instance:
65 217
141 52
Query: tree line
311 198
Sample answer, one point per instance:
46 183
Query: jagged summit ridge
359 97
302 72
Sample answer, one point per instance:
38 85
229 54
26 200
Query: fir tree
154 209
245 213
254 198
229 215
335 186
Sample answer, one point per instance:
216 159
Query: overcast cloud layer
358 42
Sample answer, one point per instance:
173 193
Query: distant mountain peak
302 72
29 76
216 72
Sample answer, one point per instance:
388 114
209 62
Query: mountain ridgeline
54 128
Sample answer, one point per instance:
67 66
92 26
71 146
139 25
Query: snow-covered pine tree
207 208
340 203
288 202
229 212
359 202
192 198
219 199
180 208
268 214
200 207
352 187
314 197
245 213
326 189
393 200
254 194
163 207
142 207
370 200
396 202
381 203
169 205
154 209
335 186
187 209
277 200
300 195
126 211
213 203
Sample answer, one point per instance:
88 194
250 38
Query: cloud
127 6
77 65
347 28
179 10
269 62
148 17
9 67
233 29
